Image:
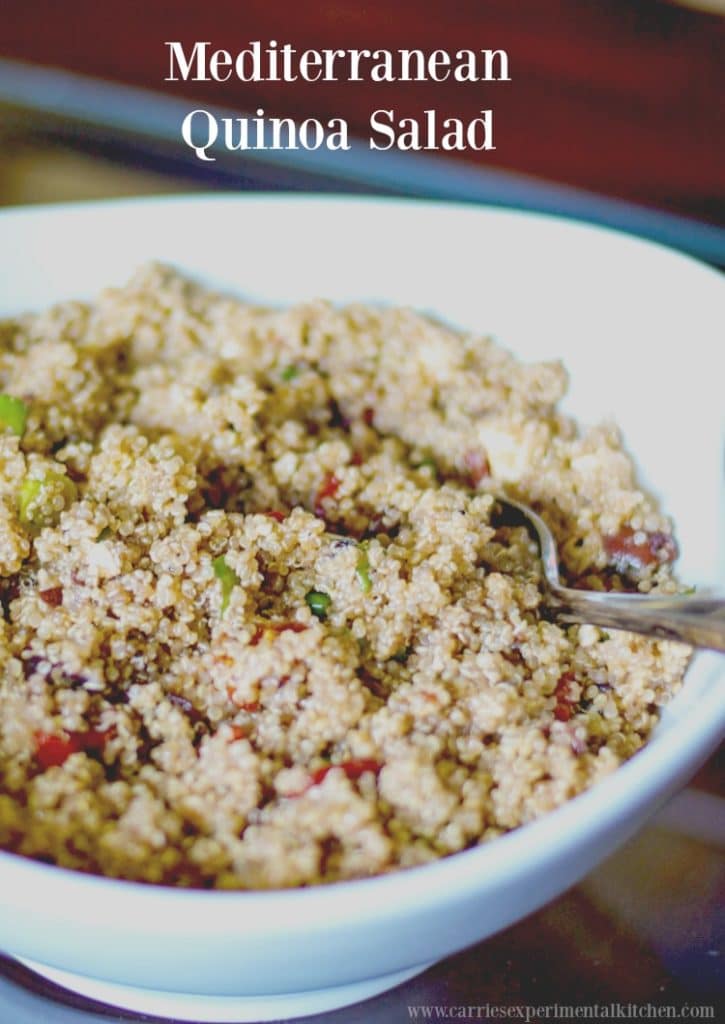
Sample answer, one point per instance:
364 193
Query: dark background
623 97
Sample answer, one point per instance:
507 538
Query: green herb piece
402 655
290 372
28 497
689 591
428 463
363 570
105 534
13 414
228 579
36 507
318 603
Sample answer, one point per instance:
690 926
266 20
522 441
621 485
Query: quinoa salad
262 624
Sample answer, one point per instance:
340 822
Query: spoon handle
698 621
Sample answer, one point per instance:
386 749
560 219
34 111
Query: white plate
640 329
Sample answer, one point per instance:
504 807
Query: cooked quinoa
262 627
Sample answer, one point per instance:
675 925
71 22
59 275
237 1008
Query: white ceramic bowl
639 327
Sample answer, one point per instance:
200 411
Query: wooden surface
624 97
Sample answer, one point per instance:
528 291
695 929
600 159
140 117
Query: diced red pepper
353 770
53 596
317 776
274 513
563 709
294 627
328 489
276 627
368 416
636 549
52 751
477 466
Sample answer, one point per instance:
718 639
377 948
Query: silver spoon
698 621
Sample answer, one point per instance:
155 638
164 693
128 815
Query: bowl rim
308 198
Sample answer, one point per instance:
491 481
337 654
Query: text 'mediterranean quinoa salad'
259 630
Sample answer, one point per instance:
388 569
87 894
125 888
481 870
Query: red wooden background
623 97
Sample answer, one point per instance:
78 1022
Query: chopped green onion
318 603
428 463
289 373
363 570
29 494
13 414
402 655
228 579
35 498
688 591
105 534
